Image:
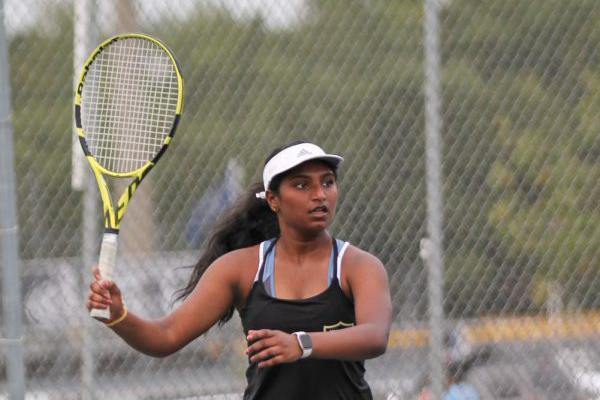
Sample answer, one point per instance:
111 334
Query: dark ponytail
249 222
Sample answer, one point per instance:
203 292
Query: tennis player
313 307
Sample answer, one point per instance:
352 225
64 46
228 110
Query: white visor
293 156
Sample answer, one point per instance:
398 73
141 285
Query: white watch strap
305 352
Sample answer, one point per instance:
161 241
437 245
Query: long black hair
249 222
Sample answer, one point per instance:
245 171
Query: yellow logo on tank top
339 325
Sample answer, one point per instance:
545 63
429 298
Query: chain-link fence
520 163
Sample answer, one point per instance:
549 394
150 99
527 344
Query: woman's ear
273 201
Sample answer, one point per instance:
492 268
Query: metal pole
432 246
9 253
83 42
138 230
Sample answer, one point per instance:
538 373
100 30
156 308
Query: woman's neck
297 246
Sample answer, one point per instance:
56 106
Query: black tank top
310 378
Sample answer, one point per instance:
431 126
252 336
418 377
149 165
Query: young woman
313 308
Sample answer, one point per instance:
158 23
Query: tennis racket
128 103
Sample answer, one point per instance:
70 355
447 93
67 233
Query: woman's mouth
319 211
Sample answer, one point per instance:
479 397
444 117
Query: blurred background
517 85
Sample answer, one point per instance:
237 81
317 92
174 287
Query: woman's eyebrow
307 176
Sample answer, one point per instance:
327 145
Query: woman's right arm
214 294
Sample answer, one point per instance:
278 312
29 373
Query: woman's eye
329 183
301 185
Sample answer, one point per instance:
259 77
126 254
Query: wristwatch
305 343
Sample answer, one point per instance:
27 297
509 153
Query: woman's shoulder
360 269
239 257
240 266
237 266
357 257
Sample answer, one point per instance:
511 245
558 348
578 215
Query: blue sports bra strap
268 246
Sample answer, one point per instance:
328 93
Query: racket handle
108 256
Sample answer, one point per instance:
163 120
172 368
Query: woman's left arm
368 284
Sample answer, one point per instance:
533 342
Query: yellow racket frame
112 216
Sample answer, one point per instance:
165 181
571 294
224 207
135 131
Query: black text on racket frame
125 122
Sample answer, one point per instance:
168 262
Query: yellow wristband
121 318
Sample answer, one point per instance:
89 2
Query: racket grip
108 256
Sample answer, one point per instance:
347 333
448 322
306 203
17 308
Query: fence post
432 246
12 303
84 40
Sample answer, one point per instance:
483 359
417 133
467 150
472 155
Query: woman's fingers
98 293
260 334
267 352
103 294
262 352
272 361
272 347
96 301
260 344
97 287
100 299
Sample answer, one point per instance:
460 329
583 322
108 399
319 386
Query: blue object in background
219 196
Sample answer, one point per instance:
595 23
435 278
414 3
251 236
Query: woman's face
307 197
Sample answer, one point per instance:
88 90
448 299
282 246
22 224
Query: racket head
128 104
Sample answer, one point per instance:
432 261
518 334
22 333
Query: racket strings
129 102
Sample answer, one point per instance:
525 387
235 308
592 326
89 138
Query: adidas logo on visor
303 152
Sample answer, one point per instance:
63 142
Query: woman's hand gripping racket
127 106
